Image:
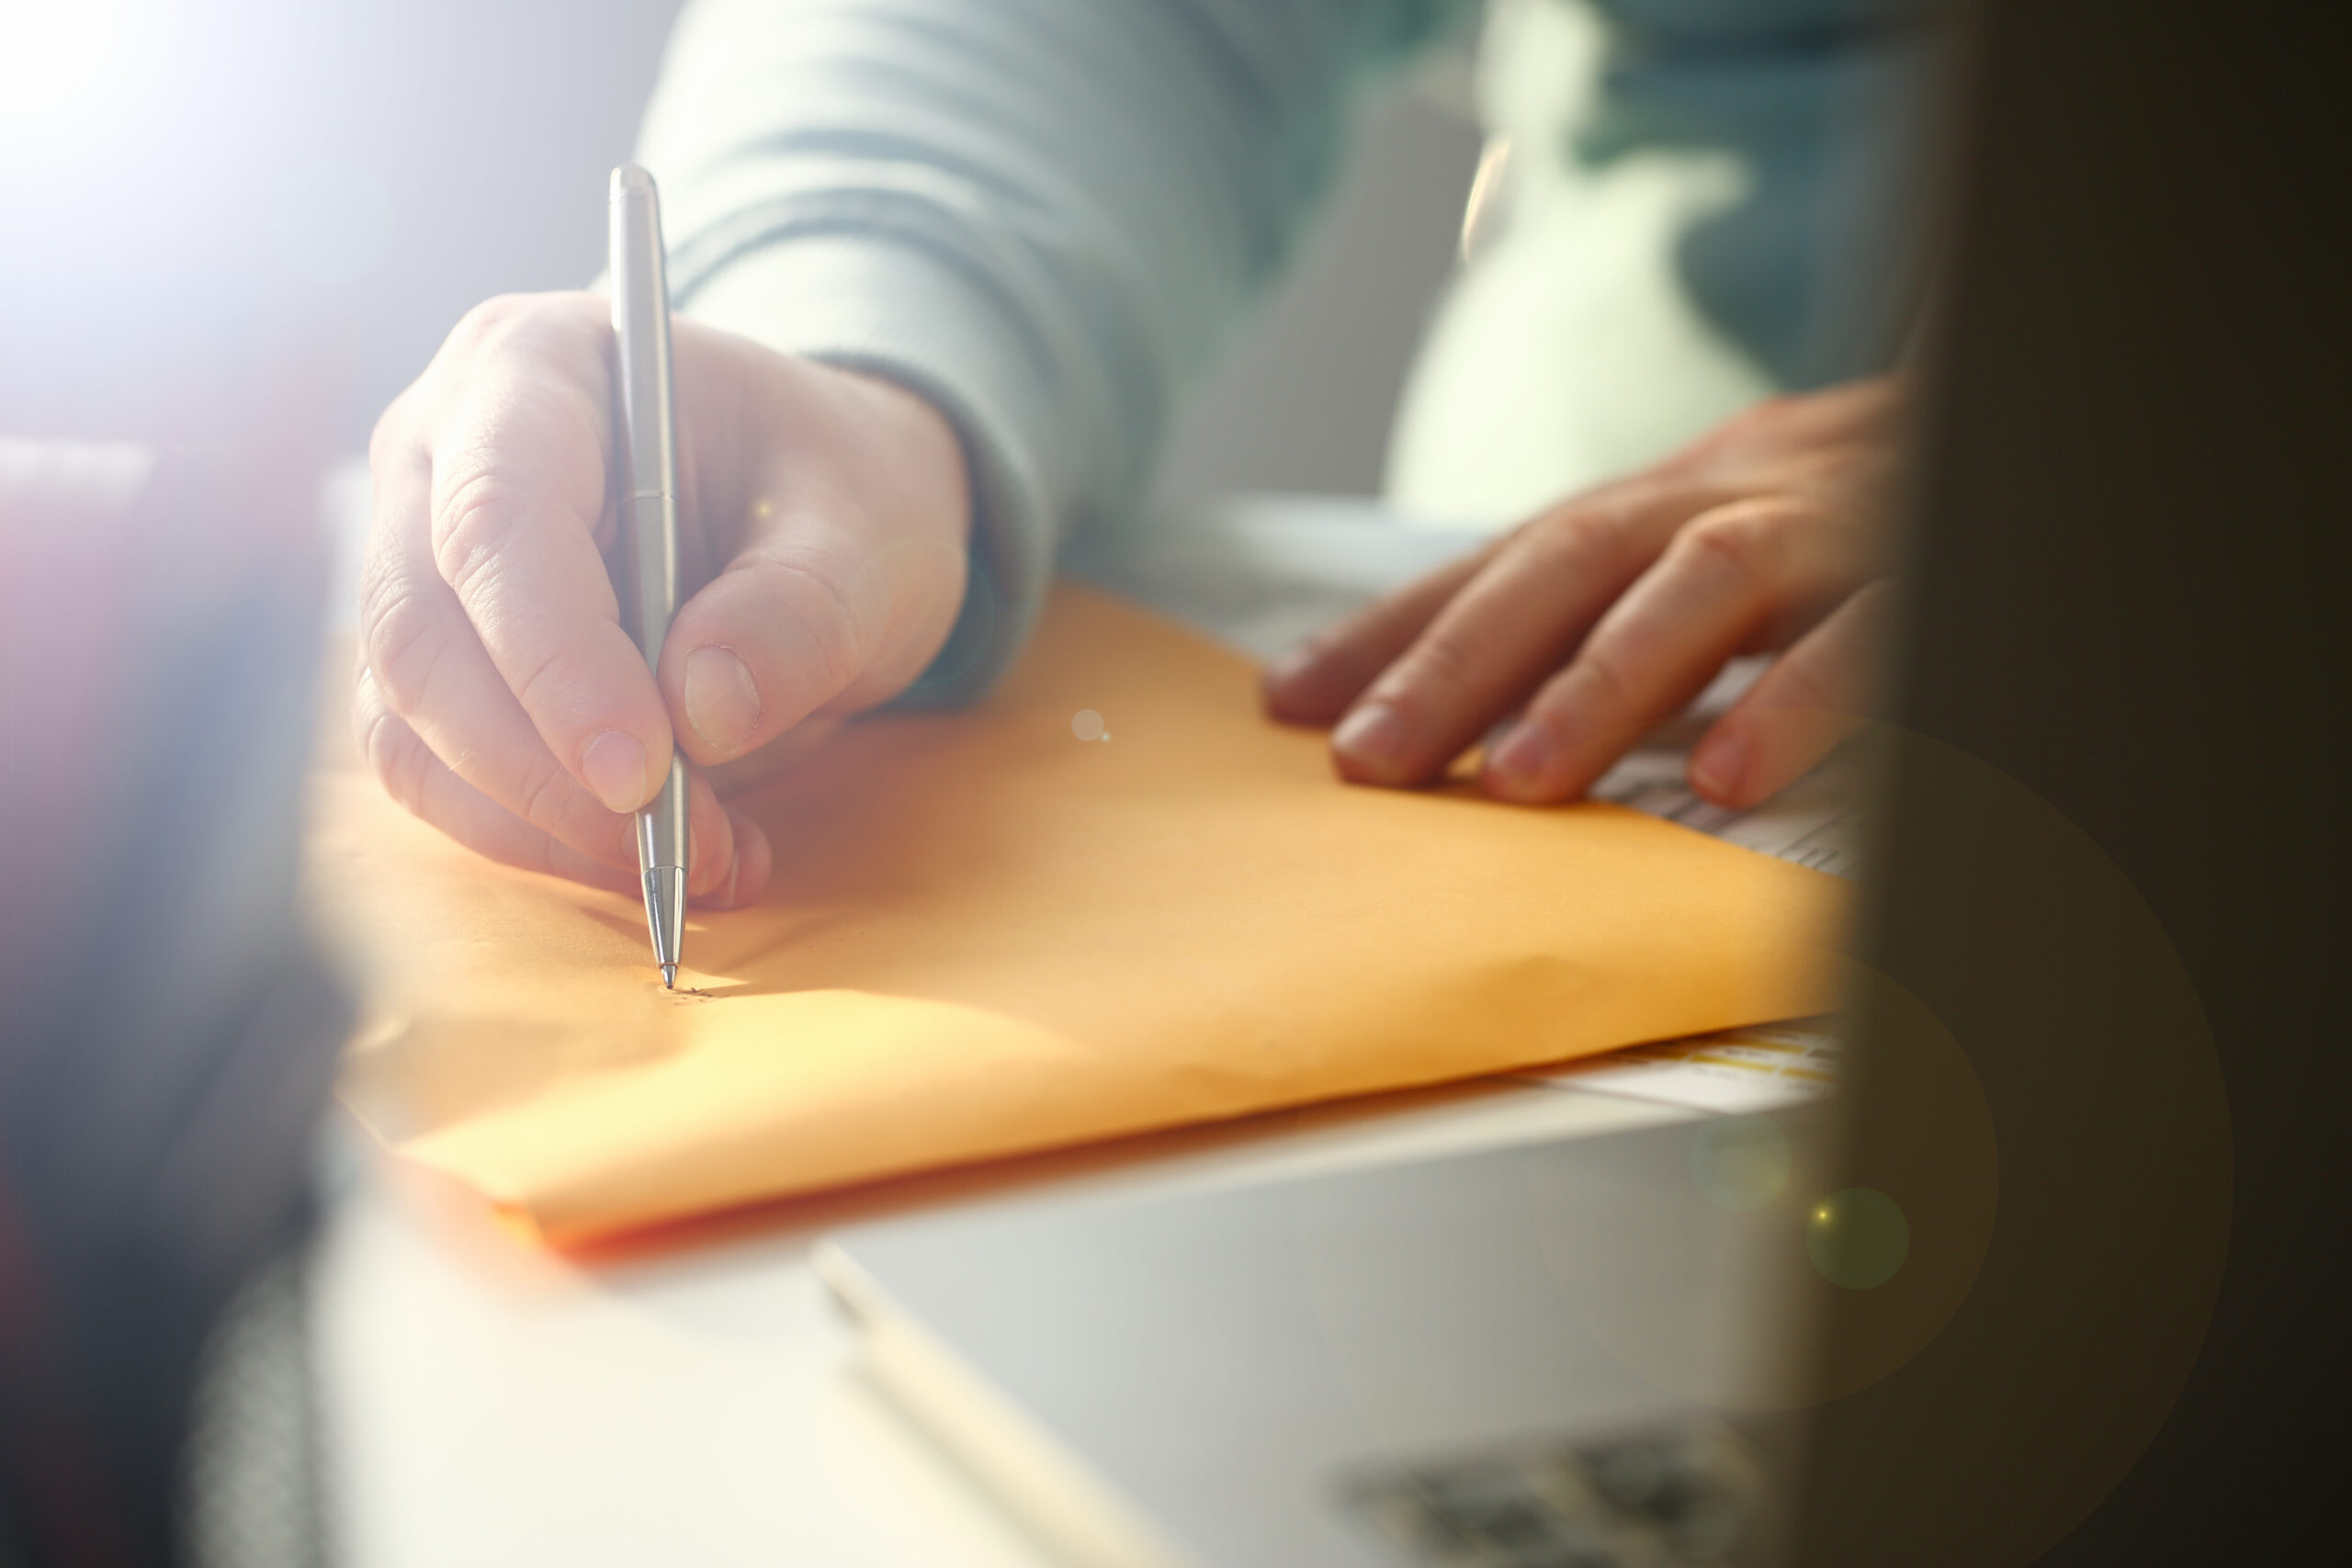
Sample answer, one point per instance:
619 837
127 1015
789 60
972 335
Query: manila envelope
986 934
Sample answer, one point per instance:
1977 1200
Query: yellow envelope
987 935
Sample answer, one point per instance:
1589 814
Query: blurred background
189 186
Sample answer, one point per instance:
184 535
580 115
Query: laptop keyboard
1658 1499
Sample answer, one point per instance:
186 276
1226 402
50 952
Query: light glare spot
1858 1238
75 78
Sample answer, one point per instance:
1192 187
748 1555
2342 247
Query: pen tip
669 976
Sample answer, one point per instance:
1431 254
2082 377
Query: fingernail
722 700
613 765
1717 765
1374 737
1525 751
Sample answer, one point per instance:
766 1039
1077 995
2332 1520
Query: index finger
1315 682
1522 612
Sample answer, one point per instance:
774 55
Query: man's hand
824 516
1608 614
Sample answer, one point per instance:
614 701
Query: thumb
849 517
821 609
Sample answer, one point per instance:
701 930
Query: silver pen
649 519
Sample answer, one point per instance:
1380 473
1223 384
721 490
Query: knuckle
1744 541
1448 658
1763 425
1600 682
1584 538
545 795
1799 683
837 640
398 759
403 638
493 320
473 520
1768 416
550 667
561 329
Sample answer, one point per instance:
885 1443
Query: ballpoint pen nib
665 914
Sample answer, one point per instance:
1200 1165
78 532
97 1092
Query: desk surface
699 1401
486 1404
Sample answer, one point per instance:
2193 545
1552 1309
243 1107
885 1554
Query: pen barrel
661 826
648 434
650 535
649 516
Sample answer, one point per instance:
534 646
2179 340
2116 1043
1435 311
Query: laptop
1566 1352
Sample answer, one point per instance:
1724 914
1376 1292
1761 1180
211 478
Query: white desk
487 1403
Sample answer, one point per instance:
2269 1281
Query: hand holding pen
822 536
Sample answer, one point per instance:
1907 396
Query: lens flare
1857 1238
